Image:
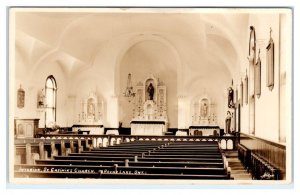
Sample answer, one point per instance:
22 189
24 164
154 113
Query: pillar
42 150
72 146
28 154
79 146
63 147
52 149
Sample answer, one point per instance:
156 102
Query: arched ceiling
201 40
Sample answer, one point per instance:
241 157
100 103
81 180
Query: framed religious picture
270 63
246 88
21 98
257 76
252 45
241 93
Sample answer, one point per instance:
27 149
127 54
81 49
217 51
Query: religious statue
91 109
230 98
204 110
150 91
41 98
228 122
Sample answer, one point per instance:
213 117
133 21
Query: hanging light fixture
129 89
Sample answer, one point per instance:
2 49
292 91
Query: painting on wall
270 63
257 76
21 98
246 88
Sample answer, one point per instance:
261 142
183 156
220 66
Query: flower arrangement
53 126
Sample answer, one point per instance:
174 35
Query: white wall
32 83
267 106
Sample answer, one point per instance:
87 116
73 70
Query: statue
41 98
228 122
204 110
91 109
150 91
230 98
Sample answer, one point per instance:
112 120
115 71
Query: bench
132 163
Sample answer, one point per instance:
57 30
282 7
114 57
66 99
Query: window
51 89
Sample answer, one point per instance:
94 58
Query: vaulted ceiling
205 42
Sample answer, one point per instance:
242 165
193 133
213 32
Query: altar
204 118
90 116
148 127
150 111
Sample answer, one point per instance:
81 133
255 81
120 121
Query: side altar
90 116
204 118
150 108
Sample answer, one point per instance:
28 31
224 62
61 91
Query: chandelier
129 89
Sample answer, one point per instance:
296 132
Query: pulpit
26 128
150 112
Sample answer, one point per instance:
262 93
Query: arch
138 39
59 41
223 28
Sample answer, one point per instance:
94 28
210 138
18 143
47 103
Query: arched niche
138 39
91 110
203 111
142 59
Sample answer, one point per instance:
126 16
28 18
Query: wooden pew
132 163
134 160
116 158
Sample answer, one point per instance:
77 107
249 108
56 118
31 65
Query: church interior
149 93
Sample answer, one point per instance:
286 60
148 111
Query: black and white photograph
157 95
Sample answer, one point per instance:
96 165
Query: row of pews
135 160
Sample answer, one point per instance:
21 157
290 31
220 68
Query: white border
254 3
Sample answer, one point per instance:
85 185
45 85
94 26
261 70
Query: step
242 177
239 171
236 167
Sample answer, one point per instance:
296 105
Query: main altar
90 116
150 108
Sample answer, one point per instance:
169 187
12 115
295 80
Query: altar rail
226 142
270 156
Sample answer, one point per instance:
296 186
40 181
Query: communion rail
226 142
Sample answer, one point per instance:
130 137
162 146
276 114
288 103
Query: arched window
51 88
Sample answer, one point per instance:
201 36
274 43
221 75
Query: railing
226 142
258 152
262 170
